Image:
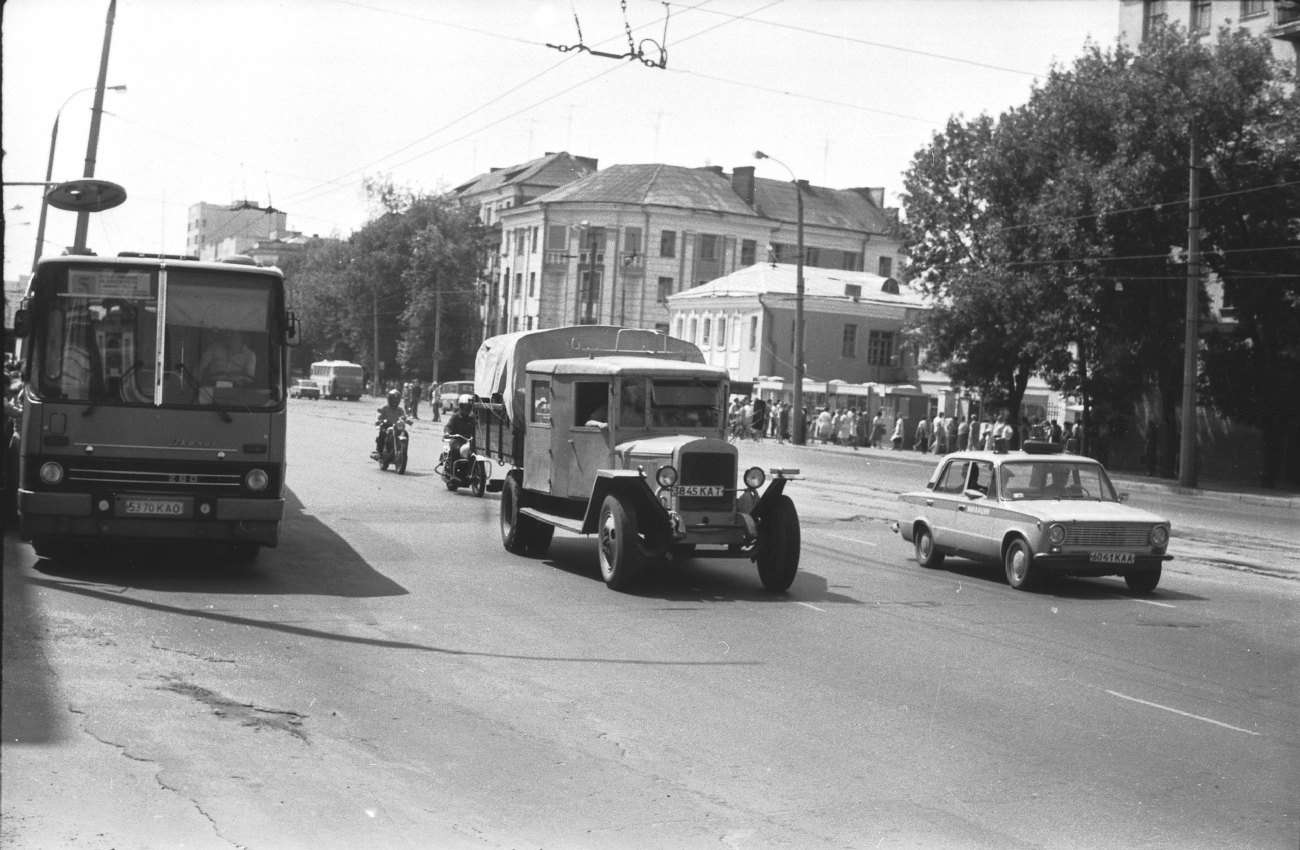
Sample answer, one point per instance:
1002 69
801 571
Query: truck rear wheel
620 548
778 545
521 535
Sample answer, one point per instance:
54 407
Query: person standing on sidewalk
963 434
897 438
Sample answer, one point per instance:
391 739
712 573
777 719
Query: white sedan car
1037 513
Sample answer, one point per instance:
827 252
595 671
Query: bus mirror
292 329
22 323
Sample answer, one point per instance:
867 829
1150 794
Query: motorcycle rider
460 428
388 415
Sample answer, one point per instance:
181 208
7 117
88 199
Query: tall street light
92 144
798 417
49 169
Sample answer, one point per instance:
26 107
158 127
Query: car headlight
754 478
256 479
1056 535
51 473
666 476
1159 536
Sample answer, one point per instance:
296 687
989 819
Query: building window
519 285
1153 16
753 333
668 243
812 257
748 252
851 261
1251 8
661 328
722 333
708 246
532 284
519 240
886 266
632 240
880 348
589 297
850 345
557 237
514 324
704 340
534 240
680 322
694 328
1201 15
665 289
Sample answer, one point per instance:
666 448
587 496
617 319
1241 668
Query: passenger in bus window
228 359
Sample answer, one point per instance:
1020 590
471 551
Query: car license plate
167 508
1111 557
697 490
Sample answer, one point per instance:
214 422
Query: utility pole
1187 448
374 359
83 217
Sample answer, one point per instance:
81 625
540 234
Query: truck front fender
652 517
776 488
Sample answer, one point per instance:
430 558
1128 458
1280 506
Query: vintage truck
620 433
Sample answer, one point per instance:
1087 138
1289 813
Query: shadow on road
1066 587
700 579
29 709
311 560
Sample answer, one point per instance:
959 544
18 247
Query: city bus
338 379
154 405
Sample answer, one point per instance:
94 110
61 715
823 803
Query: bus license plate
1111 557
166 508
697 490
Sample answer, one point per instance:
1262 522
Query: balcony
556 258
632 263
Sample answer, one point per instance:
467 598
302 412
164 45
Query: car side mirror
22 323
929 485
1123 497
292 329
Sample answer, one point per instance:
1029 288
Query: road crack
246 714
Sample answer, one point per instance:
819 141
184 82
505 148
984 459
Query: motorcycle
395 442
471 472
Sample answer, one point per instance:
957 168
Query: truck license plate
1111 557
154 507
697 490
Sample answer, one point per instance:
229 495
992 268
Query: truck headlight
256 480
1159 536
1056 535
754 478
666 476
51 473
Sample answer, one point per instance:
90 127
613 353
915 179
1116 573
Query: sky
293 102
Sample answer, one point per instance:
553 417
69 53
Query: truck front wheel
778 545
620 548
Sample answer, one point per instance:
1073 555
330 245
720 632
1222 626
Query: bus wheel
243 552
619 546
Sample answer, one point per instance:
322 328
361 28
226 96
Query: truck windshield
690 403
1056 479
98 339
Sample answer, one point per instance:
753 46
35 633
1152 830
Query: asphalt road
391 677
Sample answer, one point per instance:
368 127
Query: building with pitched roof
612 247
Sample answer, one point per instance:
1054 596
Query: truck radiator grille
715 469
1114 535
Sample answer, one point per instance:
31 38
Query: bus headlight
666 476
256 480
1159 535
754 478
51 473
1056 535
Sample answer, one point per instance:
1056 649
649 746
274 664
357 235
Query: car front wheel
926 553
1019 563
1143 582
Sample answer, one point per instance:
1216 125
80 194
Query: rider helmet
394 397
464 402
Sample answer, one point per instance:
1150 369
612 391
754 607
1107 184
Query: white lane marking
808 605
1183 713
1147 601
851 539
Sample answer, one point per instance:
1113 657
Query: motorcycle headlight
1056 535
256 480
401 426
666 476
754 478
1159 536
51 473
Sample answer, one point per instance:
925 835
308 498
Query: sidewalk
1127 481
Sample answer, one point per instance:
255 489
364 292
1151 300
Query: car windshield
1055 479
685 403
99 339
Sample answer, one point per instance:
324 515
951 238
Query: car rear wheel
1019 563
778 545
1143 582
619 546
926 553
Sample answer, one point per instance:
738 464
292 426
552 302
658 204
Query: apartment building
612 247
1278 19
216 231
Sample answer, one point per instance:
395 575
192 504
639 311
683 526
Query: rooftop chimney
742 182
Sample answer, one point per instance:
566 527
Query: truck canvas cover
500 365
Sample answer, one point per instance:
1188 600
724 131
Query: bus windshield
98 341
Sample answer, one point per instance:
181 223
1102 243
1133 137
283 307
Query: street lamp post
1187 447
799 437
49 169
92 144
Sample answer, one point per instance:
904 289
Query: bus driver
227 360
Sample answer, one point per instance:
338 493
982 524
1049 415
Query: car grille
1109 535
142 476
715 469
